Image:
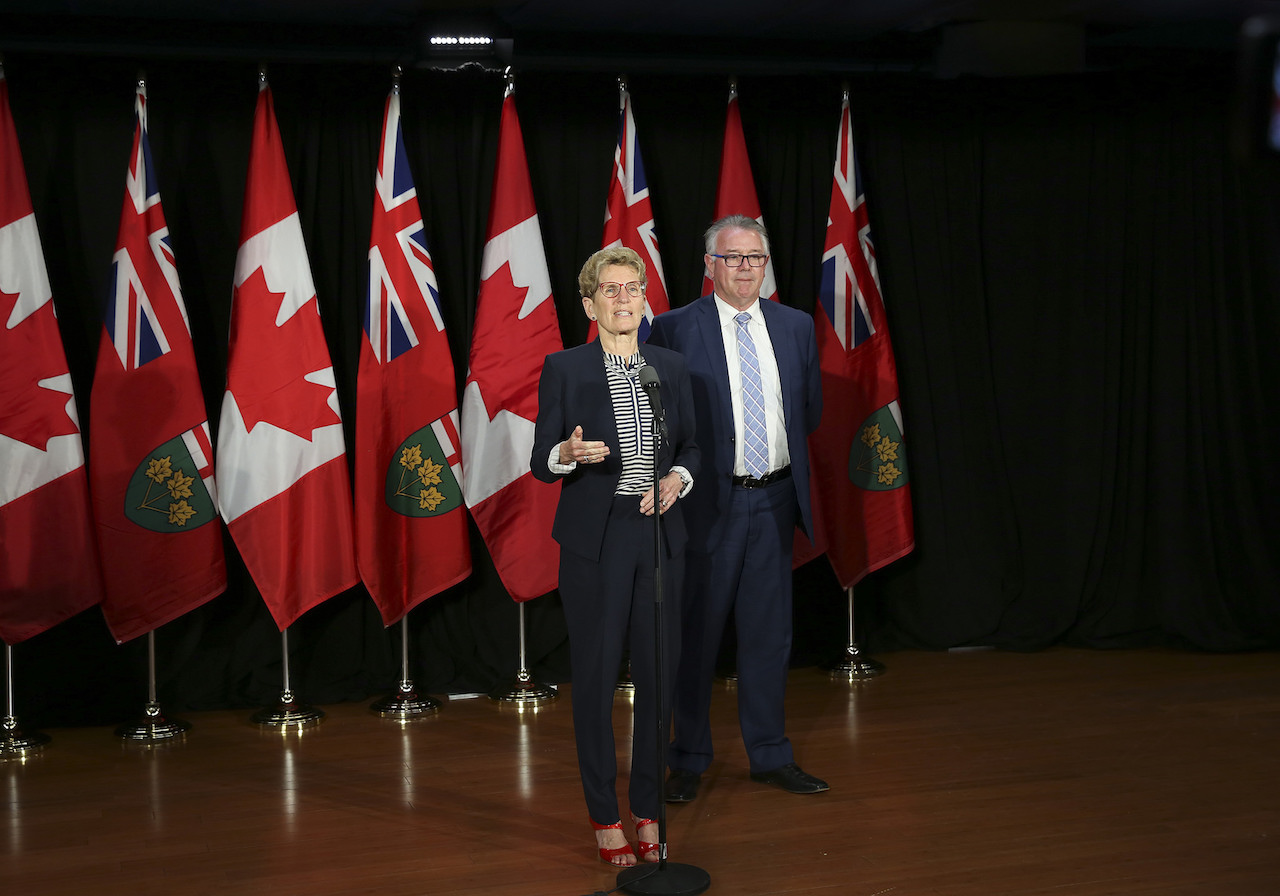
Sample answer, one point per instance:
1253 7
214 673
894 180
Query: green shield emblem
876 459
166 493
419 479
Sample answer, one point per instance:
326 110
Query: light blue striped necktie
755 446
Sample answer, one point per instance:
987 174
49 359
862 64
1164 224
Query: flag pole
288 713
153 727
524 692
855 666
405 703
12 741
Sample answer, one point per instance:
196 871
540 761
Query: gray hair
734 222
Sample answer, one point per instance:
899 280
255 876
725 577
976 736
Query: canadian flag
50 568
282 470
736 193
515 329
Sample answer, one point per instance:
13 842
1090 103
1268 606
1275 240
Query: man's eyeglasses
635 289
734 259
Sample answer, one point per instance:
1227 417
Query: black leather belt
766 479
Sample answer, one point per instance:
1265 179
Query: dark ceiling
941 36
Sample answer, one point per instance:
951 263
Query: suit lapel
713 344
595 386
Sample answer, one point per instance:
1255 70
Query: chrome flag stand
153 727
855 666
288 713
12 741
524 692
405 703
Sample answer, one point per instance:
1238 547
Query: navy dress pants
608 604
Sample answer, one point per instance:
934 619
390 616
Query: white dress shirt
771 382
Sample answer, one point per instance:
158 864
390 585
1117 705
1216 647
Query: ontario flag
628 215
864 508
411 522
150 459
515 329
736 193
50 568
282 470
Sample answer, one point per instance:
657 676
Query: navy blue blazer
574 391
694 331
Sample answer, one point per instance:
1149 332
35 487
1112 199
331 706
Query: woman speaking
594 434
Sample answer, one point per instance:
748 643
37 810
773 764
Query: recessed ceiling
577 33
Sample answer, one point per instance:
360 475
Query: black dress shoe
791 778
682 786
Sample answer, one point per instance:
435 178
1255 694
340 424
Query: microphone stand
668 878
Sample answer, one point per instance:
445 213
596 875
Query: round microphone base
664 879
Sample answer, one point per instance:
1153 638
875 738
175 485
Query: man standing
757 391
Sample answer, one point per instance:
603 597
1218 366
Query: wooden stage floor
1062 773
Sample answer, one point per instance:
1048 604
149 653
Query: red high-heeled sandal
608 854
644 847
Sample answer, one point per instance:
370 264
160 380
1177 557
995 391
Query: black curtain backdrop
1082 292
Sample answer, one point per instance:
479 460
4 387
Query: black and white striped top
634 419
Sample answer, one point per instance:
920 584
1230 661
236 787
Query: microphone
651 384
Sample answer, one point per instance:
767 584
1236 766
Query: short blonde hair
589 276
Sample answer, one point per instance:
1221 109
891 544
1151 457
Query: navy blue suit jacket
694 331
574 391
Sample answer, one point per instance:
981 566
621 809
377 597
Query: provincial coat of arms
420 478
166 492
876 460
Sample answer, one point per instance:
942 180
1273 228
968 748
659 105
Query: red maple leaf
507 370
266 377
29 353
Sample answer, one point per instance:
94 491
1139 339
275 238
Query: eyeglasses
734 259
635 289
